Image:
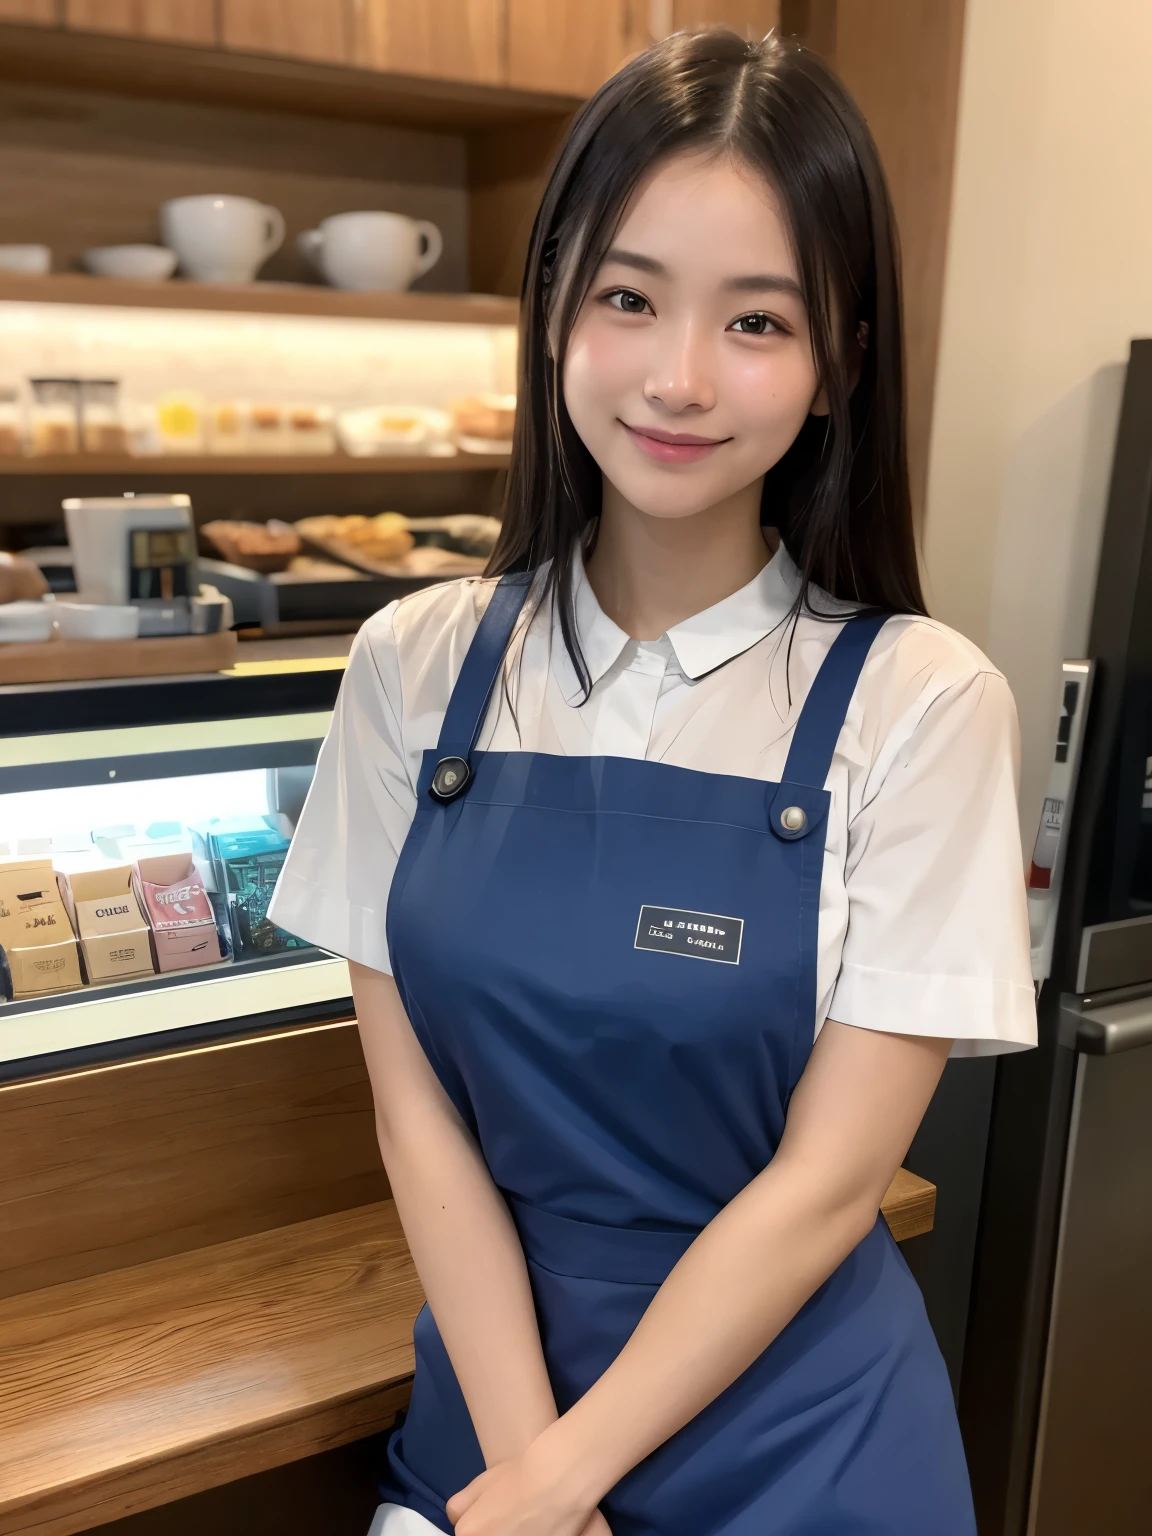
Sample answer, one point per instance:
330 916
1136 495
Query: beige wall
1048 277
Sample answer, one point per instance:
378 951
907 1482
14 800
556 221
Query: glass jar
102 427
55 417
11 422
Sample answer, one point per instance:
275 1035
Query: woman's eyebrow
765 282
647 264
753 282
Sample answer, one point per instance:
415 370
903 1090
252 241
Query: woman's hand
519 1498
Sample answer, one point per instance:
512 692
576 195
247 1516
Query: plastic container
11 422
25 621
97 621
102 427
55 417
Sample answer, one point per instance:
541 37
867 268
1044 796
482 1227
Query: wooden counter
200 1277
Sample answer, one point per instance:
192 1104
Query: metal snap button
450 777
793 818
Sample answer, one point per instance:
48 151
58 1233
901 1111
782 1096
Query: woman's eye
754 325
628 302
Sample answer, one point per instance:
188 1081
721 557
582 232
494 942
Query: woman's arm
464 1244
850 1122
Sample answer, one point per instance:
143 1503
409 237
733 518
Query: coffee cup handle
274 232
310 244
435 247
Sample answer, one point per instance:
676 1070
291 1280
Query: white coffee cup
380 251
33 260
221 239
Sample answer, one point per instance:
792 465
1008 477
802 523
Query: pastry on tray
392 545
483 423
264 547
384 537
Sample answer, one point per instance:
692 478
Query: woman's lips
672 447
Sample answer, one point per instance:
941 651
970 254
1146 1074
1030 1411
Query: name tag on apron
699 935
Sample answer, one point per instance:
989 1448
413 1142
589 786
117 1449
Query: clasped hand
514 1498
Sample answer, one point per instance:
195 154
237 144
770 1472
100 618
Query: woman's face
689 370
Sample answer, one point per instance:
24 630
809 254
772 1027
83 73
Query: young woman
672 865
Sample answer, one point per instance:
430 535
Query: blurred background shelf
304 56
164 467
267 298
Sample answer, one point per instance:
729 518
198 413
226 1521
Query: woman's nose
680 378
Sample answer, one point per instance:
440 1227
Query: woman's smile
672 447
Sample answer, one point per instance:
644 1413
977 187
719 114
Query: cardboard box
108 922
35 930
179 911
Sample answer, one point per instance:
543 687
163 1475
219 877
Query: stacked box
35 930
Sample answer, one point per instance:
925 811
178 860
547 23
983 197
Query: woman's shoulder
434 616
922 677
926 652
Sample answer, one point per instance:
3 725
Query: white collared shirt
923 919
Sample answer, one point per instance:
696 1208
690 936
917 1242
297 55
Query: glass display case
142 830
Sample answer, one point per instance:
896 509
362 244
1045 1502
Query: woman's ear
820 405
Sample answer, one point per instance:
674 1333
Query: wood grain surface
146 1384
305 29
86 466
262 298
81 169
448 39
43 12
57 661
909 1206
130 1389
901 61
565 45
121 1164
176 21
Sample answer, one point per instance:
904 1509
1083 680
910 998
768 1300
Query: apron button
452 774
793 819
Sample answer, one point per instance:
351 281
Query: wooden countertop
137 1386
124 1390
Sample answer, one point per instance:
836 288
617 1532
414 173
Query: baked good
20 580
488 418
382 538
256 546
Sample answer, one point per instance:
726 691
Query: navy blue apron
611 965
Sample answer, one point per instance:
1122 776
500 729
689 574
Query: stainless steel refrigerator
1056 1383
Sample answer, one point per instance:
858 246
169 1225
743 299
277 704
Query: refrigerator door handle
1104 1024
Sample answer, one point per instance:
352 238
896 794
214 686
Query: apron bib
611 965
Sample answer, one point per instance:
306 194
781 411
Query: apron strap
817 730
468 704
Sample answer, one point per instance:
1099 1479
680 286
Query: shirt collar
700 644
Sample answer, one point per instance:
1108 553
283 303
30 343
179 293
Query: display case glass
142 830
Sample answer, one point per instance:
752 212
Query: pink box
178 911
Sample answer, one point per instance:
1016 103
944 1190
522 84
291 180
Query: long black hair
840 495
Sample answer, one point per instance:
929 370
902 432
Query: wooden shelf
183 72
131 1388
138 1386
163 467
259 298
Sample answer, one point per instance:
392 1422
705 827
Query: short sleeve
333 889
937 940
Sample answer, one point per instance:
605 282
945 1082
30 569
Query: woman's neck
650 573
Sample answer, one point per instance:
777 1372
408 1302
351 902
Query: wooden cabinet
302 29
568 46
177 21
745 16
43 11
574 45
448 39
